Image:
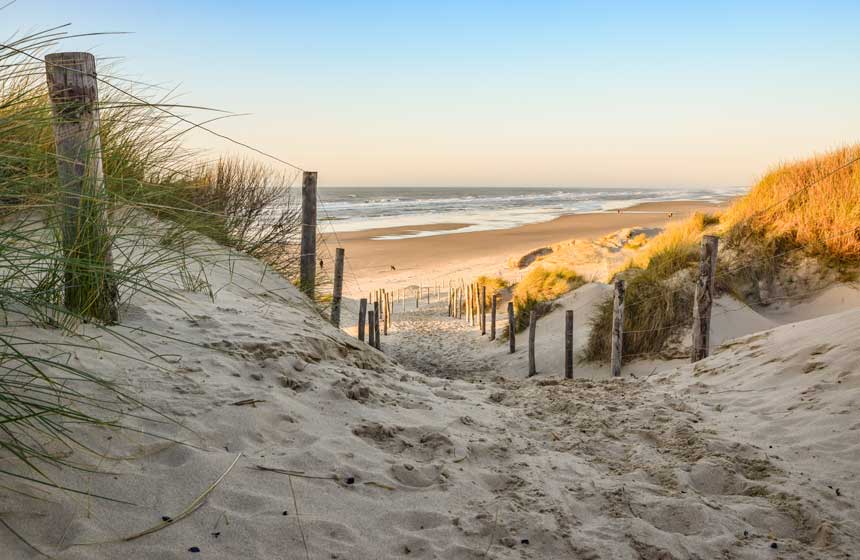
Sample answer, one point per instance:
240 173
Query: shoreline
435 258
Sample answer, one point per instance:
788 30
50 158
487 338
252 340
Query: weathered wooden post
337 291
308 260
90 287
568 344
387 313
704 298
417 296
376 324
428 295
617 327
493 317
483 310
532 329
371 338
362 316
512 328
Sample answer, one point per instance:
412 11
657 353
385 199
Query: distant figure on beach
392 267
670 214
321 264
619 210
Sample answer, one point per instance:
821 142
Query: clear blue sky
498 93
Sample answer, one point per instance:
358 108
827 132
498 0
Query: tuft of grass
539 288
494 285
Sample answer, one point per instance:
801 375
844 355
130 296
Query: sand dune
440 448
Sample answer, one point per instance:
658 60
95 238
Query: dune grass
539 288
494 285
154 205
809 208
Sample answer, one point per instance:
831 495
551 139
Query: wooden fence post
362 316
512 327
371 339
532 329
337 291
568 344
387 315
90 287
376 324
308 260
483 307
617 327
493 317
704 299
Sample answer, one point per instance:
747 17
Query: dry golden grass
540 286
818 217
494 285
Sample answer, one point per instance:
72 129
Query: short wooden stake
568 344
387 313
90 287
617 327
532 329
493 317
376 331
704 299
308 259
483 310
371 331
337 290
512 327
362 316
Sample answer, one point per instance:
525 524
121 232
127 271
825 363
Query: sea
481 208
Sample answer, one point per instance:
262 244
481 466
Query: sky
475 93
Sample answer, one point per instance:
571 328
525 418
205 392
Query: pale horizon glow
528 94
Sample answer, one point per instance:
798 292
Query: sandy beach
437 258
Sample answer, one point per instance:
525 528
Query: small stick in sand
512 337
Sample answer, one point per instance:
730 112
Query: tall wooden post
371 331
308 260
493 317
362 316
704 299
90 287
387 313
568 344
483 306
337 291
376 324
532 332
512 328
617 327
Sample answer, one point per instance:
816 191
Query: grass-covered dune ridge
806 211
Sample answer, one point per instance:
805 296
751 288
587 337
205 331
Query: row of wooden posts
471 299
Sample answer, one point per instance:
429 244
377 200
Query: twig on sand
22 539
298 516
192 507
493 532
252 402
299 474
